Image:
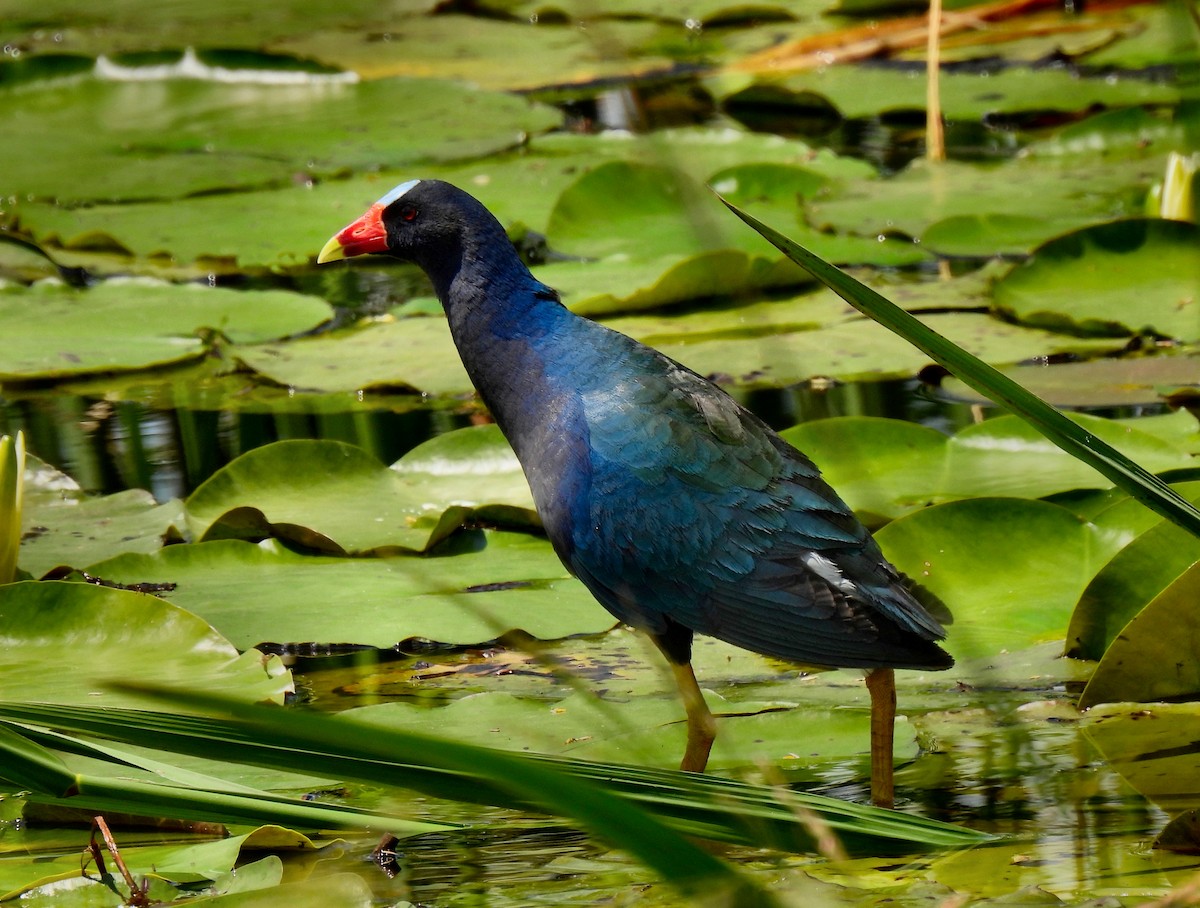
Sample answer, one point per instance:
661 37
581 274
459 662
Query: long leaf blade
1123 472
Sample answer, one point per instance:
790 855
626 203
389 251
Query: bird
681 511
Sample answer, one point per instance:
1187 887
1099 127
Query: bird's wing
698 513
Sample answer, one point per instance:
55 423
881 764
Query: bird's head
431 223
413 216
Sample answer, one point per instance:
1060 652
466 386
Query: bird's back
675 505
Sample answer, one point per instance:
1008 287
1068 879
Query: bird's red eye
408 212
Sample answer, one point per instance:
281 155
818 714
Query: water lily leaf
490 583
222 232
985 234
988 560
867 90
351 502
883 468
1153 747
1087 281
52 331
1107 382
408 353
481 50
1123 587
1153 657
1006 456
118 635
74 531
194 136
643 730
1063 195
859 349
473 467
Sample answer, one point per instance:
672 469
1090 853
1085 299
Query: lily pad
73 531
1153 747
117 635
643 730
1125 381
487 585
189 136
481 51
1153 657
866 90
1127 584
1063 195
1006 455
988 560
325 495
1130 276
52 331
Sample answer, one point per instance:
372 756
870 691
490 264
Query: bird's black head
423 221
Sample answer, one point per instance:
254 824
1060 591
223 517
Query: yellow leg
881 683
702 726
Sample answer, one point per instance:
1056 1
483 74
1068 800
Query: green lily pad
326 495
90 634
409 354
883 468
1153 747
1123 587
73 531
475 468
487 585
643 730
192 136
1063 195
1153 657
865 90
1121 278
52 331
1107 382
480 51
1006 456
988 560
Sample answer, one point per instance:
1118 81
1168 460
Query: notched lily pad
53 331
117 635
1154 656
325 495
486 584
1125 277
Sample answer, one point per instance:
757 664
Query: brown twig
137 897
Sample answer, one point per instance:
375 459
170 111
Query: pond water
997 745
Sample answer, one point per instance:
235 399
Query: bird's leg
881 683
702 726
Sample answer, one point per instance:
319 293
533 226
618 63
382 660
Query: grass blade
1119 469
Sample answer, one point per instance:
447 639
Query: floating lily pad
1153 747
1121 278
1127 584
126 141
643 730
1108 382
65 640
865 90
52 331
988 560
1006 455
325 495
481 51
66 530
1063 195
1153 657
490 584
